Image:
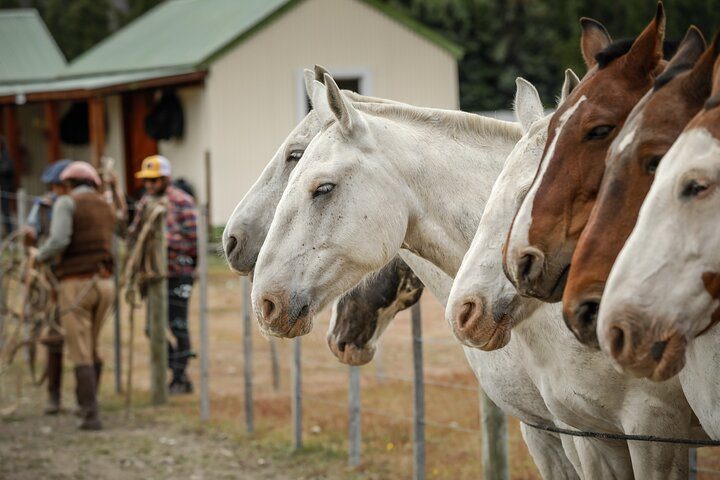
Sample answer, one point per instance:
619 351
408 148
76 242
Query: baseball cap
81 171
52 172
154 166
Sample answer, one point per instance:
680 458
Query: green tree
77 25
137 8
538 39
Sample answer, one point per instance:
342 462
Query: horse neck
448 162
432 277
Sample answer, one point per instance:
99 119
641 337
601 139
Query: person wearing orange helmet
80 248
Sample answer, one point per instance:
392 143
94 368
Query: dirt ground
33 447
171 442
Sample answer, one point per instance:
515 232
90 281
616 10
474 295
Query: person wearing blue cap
36 231
38 221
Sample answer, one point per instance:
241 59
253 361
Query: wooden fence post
157 317
117 334
275 364
418 396
354 417
202 247
247 357
494 440
296 373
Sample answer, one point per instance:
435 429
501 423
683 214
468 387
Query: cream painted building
237 67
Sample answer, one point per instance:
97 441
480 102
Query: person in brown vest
80 241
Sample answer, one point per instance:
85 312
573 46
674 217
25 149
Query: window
358 80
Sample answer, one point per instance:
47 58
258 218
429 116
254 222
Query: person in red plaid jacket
182 257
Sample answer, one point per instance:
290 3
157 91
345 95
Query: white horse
581 386
513 392
366 187
665 284
248 225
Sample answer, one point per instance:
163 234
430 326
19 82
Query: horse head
548 224
360 317
631 164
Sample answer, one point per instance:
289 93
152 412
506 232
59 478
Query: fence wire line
434 383
621 436
395 416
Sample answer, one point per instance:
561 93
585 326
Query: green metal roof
89 83
27 50
191 33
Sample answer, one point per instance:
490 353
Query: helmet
154 166
52 172
81 171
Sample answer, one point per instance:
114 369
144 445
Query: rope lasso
621 436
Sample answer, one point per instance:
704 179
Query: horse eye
652 163
693 189
323 189
295 155
598 133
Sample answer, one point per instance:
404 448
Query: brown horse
651 129
548 224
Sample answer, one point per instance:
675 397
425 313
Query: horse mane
613 51
670 73
621 47
469 124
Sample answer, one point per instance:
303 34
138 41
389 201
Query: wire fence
305 400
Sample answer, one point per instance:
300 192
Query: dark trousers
179 290
6 212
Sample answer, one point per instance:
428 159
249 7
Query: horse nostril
529 265
617 341
466 313
268 307
230 245
657 350
341 346
587 314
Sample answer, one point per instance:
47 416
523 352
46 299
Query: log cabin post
12 137
96 112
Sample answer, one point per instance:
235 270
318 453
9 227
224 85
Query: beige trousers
84 305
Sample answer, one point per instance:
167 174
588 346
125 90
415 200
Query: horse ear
698 83
570 83
528 107
594 39
647 50
348 118
320 103
309 77
689 50
320 73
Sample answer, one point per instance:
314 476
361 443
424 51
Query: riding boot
85 377
98 375
54 379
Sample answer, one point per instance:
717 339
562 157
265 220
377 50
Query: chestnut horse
661 299
630 169
547 226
